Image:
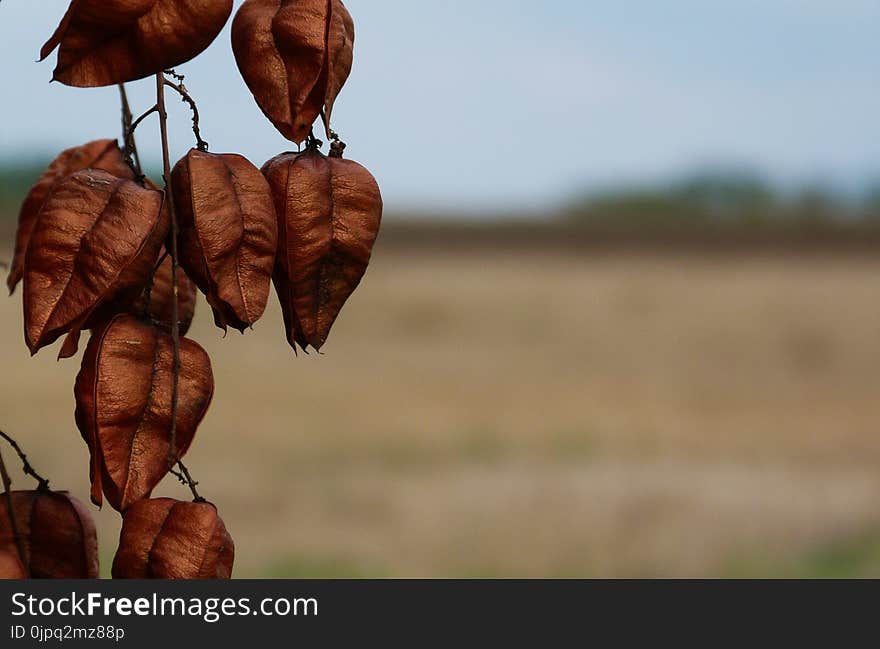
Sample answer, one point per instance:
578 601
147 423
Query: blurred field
534 413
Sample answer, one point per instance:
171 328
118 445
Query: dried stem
7 492
175 319
130 145
181 90
26 467
128 132
186 478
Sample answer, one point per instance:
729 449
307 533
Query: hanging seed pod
10 564
57 532
95 242
159 306
228 233
170 539
329 212
295 56
123 406
102 43
100 154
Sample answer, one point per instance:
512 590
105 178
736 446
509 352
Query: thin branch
175 319
130 145
26 467
7 492
186 478
127 132
187 98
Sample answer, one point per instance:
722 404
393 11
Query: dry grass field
533 414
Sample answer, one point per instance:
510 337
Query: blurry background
623 319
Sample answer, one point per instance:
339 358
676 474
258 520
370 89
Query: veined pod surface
123 406
329 213
228 233
100 154
95 242
295 56
169 539
104 42
57 532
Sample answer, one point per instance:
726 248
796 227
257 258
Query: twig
187 98
127 132
26 467
186 478
7 491
175 319
130 145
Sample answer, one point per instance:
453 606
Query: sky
489 105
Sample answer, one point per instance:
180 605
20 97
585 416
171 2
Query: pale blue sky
520 103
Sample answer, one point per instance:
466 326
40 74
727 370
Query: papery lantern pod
295 56
228 233
161 294
57 532
170 539
11 566
102 43
329 212
96 241
100 154
123 406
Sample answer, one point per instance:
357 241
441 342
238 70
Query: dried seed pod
295 56
228 233
123 406
329 212
10 564
170 539
103 43
96 241
159 308
100 154
57 532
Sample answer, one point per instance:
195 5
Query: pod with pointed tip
329 212
123 406
102 43
228 233
295 56
95 243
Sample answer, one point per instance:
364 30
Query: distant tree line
724 199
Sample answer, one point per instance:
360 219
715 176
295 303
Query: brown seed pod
228 233
161 295
96 241
10 564
104 43
170 539
295 56
100 154
329 212
123 406
57 532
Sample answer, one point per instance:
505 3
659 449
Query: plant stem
26 467
128 130
181 90
7 491
186 478
175 319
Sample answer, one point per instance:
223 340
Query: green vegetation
723 199
15 182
